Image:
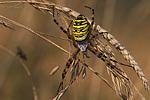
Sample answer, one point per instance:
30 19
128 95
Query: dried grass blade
60 94
126 55
5 24
84 73
35 33
26 69
97 74
54 70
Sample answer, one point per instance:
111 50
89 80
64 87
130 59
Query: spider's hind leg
85 54
69 62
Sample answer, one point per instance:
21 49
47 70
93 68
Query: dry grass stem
54 70
5 24
34 32
105 34
99 48
25 67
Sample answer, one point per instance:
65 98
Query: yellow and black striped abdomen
80 28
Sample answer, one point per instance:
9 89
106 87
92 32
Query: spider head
80 28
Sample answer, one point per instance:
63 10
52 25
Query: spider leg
117 74
103 57
92 13
92 23
69 62
68 29
97 53
65 31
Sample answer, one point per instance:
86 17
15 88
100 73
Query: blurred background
127 20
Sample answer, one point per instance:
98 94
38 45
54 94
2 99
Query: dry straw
24 66
119 77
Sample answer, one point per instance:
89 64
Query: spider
83 40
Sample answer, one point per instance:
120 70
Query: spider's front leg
92 23
67 32
69 62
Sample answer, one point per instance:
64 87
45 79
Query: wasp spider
84 40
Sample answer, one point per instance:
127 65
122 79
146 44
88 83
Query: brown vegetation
128 21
